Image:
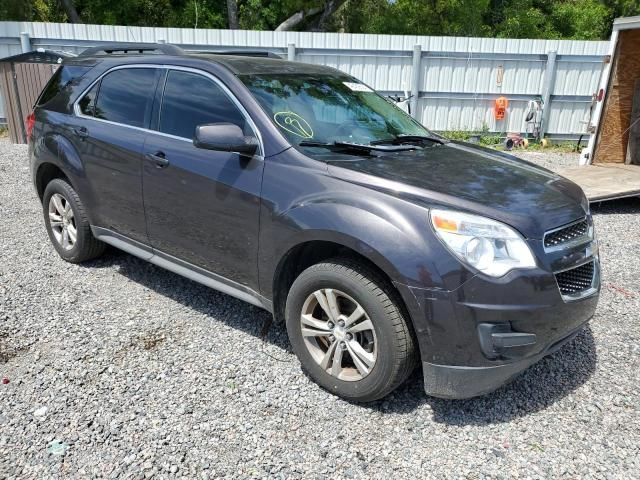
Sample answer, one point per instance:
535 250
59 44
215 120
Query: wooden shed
22 78
610 165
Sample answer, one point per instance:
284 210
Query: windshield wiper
404 139
357 147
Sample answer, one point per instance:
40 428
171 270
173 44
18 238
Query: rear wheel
67 223
349 334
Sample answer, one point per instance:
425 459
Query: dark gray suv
299 189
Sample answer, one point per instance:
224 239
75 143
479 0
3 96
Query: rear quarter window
57 93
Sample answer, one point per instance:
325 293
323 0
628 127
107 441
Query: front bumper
456 330
456 382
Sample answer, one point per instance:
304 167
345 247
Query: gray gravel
117 368
551 159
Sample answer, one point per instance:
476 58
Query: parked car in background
299 189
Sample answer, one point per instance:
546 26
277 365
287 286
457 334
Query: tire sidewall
64 189
360 390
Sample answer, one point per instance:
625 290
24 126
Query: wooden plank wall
10 93
633 148
31 79
613 138
21 92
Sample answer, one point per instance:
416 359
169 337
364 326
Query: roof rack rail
242 53
165 48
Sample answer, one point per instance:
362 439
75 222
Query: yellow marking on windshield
293 123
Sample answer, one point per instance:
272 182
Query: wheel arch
310 252
47 172
57 157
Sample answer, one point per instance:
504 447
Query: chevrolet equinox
299 189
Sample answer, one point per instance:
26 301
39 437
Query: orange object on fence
501 107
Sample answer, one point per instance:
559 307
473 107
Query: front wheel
349 334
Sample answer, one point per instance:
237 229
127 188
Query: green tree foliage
624 8
571 19
265 15
581 19
414 17
163 13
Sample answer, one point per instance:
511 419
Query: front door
202 206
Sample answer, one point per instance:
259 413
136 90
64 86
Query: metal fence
454 80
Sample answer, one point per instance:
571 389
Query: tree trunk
296 18
330 7
70 10
232 12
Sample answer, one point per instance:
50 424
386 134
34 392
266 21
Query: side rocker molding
182 268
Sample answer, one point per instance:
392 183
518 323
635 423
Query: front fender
372 236
393 234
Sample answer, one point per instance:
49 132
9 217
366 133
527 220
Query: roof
127 48
626 23
244 65
239 62
36 56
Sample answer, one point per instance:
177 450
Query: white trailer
610 164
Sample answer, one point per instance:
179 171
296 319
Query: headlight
486 245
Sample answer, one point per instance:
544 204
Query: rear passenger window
88 102
126 96
190 100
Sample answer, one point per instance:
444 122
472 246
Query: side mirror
224 137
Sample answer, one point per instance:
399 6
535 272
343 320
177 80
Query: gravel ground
551 159
118 368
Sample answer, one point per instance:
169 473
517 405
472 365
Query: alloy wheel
62 221
339 334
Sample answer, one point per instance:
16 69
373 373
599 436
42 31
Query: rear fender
53 147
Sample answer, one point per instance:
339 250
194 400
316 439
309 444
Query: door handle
81 132
158 158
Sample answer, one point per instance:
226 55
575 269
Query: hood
472 178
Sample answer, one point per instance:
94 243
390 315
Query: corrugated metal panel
475 114
577 78
77 33
458 80
569 118
479 76
381 73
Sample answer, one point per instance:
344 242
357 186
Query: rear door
114 115
202 206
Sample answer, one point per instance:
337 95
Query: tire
73 218
389 343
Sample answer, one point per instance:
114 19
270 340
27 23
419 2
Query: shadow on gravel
540 386
623 205
234 313
544 383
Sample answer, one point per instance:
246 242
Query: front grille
576 280
566 234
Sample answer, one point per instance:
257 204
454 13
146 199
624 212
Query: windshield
329 108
